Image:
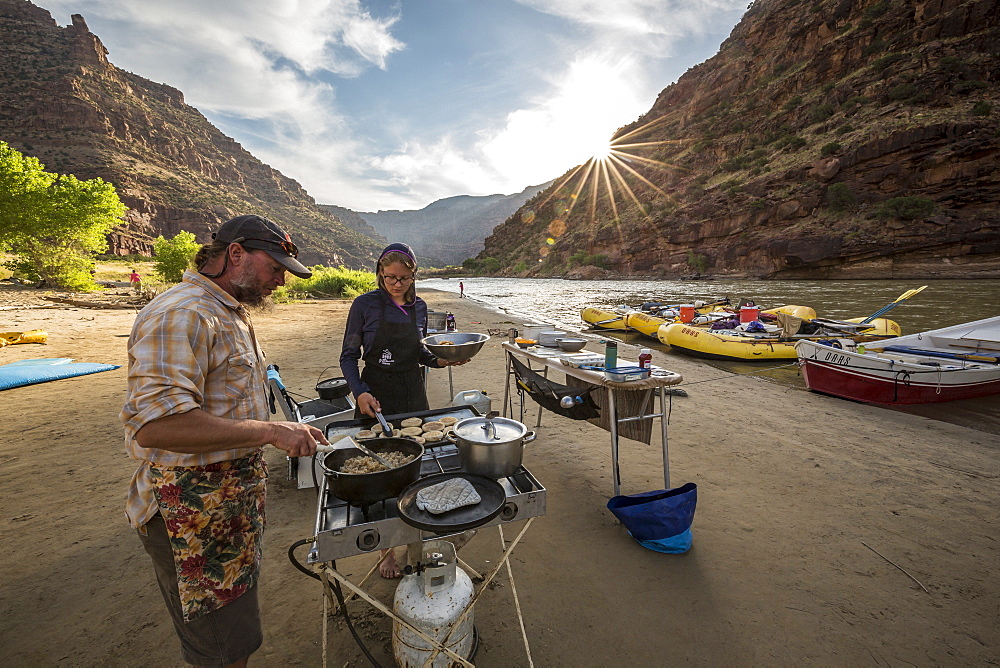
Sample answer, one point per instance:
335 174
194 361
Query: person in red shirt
134 280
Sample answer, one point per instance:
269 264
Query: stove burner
345 530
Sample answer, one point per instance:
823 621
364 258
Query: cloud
266 71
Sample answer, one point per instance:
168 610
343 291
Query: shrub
172 256
792 103
697 262
964 87
582 258
839 197
854 101
883 63
982 108
906 208
903 91
820 113
328 282
950 64
830 149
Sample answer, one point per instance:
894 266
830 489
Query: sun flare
614 171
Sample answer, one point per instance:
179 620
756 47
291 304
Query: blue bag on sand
659 520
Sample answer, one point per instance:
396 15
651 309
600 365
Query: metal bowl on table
455 346
571 345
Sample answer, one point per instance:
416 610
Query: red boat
958 362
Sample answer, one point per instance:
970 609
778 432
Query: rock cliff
826 139
66 104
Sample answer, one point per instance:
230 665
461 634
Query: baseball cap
260 233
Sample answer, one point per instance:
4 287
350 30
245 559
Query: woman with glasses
384 328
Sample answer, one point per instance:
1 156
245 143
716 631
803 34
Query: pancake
433 436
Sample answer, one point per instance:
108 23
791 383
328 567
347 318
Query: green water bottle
610 354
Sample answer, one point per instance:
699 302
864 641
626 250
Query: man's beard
248 290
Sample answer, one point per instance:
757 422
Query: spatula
356 444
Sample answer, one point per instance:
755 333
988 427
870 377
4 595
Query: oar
888 307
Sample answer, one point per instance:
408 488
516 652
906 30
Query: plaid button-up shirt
191 347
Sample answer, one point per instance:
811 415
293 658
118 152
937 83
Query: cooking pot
332 389
365 488
491 447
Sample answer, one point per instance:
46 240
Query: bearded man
196 418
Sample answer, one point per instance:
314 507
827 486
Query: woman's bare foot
388 568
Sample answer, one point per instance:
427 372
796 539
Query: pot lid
481 430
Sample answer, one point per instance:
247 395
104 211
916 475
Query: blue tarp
29 372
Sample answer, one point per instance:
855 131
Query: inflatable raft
603 318
742 346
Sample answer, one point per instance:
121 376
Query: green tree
172 256
53 223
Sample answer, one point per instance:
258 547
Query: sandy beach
827 532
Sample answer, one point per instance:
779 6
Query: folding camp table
658 383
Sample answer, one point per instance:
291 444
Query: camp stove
346 530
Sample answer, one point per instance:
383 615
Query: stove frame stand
343 530
326 571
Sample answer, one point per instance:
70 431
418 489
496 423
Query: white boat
957 362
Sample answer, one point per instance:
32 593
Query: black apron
392 367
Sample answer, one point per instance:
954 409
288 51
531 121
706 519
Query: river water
942 303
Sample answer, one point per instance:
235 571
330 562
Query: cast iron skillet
364 488
460 519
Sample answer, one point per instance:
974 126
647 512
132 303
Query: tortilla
448 420
411 422
365 433
433 426
432 436
411 431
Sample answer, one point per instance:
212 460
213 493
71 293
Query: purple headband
398 248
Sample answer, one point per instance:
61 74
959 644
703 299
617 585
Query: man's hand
368 404
296 439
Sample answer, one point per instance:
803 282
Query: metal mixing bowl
571 345
464 346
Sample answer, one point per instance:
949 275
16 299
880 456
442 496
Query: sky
393 105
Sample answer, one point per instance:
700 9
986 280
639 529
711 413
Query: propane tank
432 599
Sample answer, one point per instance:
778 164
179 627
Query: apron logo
386 358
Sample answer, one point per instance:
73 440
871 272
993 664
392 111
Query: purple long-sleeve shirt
363 321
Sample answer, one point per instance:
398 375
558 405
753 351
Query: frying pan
460 519
365 488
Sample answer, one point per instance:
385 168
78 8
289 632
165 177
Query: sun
615 168
602 151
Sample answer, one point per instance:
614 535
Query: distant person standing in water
461 289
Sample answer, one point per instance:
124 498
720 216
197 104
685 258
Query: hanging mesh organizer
548 394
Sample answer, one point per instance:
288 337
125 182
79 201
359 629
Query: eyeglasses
398 280
287 246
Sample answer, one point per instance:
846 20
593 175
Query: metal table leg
663 437
613 426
